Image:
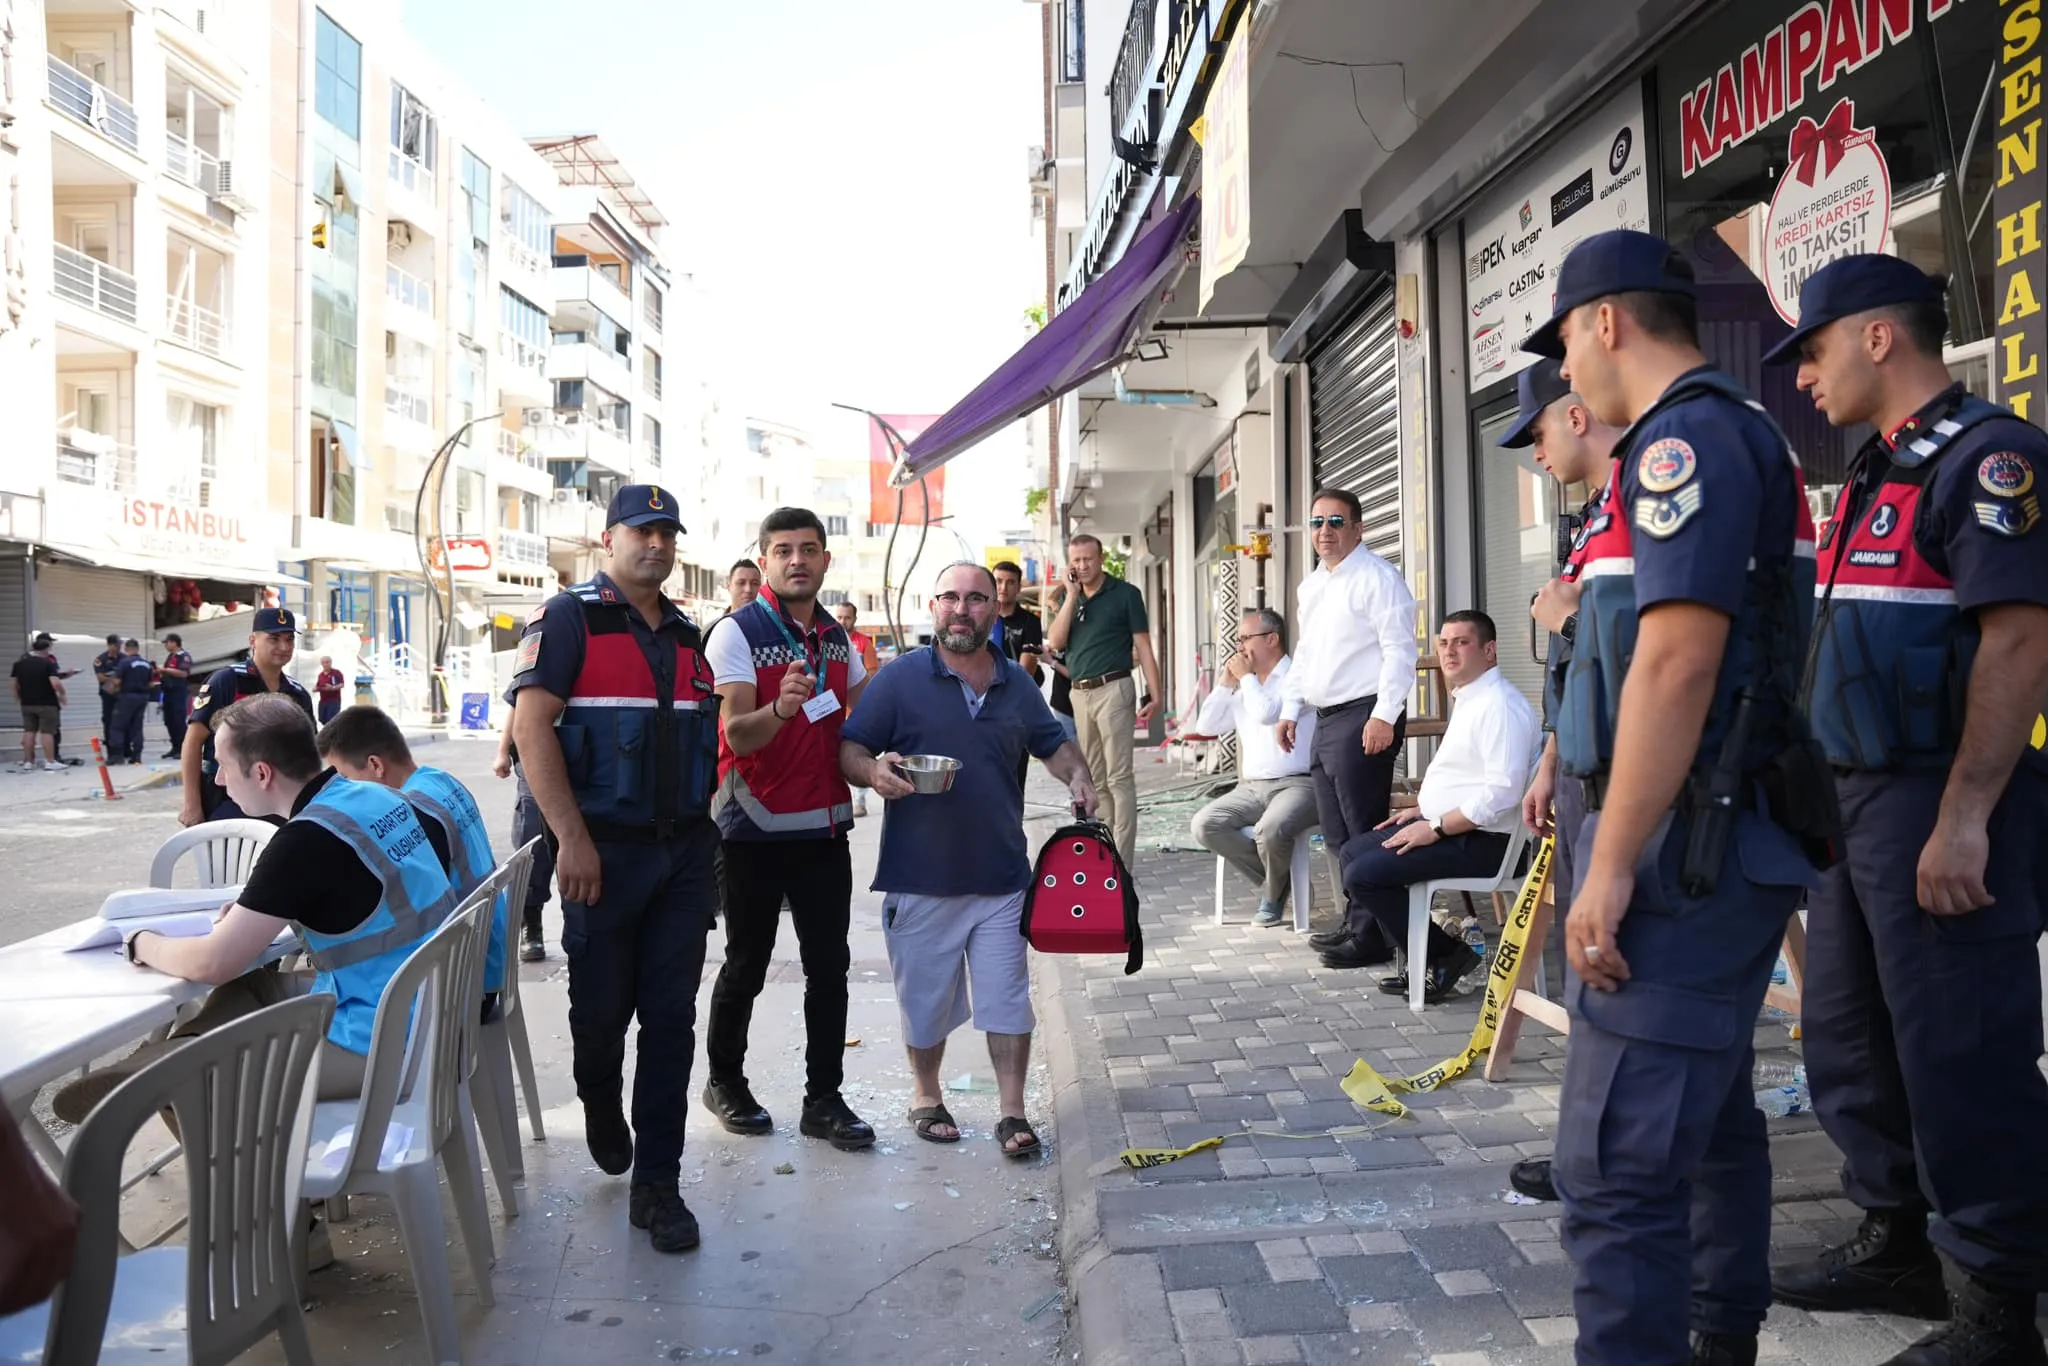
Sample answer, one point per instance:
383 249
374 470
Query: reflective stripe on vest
791 788
444 798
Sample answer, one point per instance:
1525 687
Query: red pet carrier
1081 899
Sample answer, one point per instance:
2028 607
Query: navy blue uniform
106 671
177 694
1662 1161
218 693
1923 1033
136 677
638 950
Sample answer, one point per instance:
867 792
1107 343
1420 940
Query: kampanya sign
1819 43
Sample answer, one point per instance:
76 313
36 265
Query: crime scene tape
1376 1093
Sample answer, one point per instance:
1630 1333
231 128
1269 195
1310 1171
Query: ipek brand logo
1571 198
1617 155
1486 258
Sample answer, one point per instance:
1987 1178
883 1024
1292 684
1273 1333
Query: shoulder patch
2009 517
537 614
2005 474
529 653
1662 517
1666 465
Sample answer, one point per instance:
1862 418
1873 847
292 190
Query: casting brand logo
1571 198
1617 155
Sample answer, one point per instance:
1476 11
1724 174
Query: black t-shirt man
37 675
309 874
1024 634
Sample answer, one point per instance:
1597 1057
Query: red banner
882 495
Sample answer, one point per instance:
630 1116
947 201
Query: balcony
522 549
198 327
93 284
410 176
93 461
577 280
409 291
192 165
650 380
511 446
573 518
92 104
651 306
1128 81
525 372
571 357
408 418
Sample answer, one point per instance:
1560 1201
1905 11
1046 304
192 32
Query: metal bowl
928 773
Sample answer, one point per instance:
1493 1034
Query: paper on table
100 934
136 902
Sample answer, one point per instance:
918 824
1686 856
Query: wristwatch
128 946
1437 828
1570 630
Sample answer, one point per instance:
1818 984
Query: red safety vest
791 789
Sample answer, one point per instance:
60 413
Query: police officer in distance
131 705
106 670
272 638
1922 996
1681 692
616 724
176 671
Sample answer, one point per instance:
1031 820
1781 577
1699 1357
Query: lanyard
801 647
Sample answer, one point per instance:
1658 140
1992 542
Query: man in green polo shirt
1101 624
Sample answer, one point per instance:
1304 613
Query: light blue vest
379 825
448 801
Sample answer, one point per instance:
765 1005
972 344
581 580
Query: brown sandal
1012 1126
925 1117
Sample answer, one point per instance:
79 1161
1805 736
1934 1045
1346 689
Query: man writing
39 689
327 684
1019 634
787 675
953 866
272 640
1354 664
1274 794
1469 802
846 614
1100 626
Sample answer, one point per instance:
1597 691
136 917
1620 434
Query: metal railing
521 352
107 465
99 286
408 289
403 403
93 105
651 309
200 328
522 548
1128 79
652 382
409 173
192 164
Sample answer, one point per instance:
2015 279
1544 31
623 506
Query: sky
845 181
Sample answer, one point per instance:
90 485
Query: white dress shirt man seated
1274 795
1470 799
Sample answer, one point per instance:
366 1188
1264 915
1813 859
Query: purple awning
1093 334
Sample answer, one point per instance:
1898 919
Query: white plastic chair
223 852
502 1045
243 1095
413 1087
1301 881
1502 879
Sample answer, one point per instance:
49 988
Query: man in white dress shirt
1274 795
1354 667
1471 798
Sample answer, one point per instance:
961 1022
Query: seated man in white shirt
1274 794
1470 799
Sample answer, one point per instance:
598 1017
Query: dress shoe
736 1108
1330 939
531 949
609 1137
1532 1179
1442 979
831 1119
1990 1326
658 1207
1888 1267
1353 954
1723 1349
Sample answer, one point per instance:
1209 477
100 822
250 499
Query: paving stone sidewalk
1398 1245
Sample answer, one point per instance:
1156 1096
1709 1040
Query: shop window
1520 507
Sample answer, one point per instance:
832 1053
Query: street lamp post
435 477
894 614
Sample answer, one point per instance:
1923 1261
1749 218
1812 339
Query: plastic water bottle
1773 1073
1475 936
1778 1101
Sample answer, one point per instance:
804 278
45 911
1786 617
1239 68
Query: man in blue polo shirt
953 866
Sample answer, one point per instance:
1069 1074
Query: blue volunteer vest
1765 640
448 801
380 827
1890 667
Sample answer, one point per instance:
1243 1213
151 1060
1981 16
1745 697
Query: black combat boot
1888 1267
1991 1326
1723 1349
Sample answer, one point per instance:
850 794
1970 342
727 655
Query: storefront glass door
1518 538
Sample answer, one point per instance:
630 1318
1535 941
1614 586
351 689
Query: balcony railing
200 328
514 447
521 352
95 284
1127 81
522 548
403 403
416 179
650 309
652 382
192 164
95 463
93 105
409 290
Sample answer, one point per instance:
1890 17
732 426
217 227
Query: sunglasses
1333 523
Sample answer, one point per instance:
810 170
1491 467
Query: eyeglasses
1333 523
949 601
1254 635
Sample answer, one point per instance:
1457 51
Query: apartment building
412 287
132 139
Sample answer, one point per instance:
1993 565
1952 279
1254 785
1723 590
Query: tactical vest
1890 667
791 788
1594 518
449 802
637 760
1766 639
379 825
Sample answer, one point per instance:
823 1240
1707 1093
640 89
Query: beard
964 637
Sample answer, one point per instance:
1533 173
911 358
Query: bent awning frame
1091 336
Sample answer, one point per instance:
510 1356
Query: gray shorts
946 950
38 719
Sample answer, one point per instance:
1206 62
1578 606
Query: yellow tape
1139 1159
1376 1093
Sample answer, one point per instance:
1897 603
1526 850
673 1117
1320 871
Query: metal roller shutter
79 605
14 633
1355 419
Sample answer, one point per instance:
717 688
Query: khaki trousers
1105 720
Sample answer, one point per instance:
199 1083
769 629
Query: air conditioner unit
1038 169
568 495
398 234
226 194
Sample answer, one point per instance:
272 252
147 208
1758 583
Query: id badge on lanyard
803 649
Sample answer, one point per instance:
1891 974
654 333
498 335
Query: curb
174 778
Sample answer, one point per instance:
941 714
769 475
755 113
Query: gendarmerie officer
106 671
616 725
1922 997
1680 696
176 671
272 638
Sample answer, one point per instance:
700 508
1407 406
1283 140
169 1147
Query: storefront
1354 417
1765 139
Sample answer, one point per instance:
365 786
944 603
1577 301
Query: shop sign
1517 236
2017 203
1226 166
464 554
1834 200
179 531
1801 58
